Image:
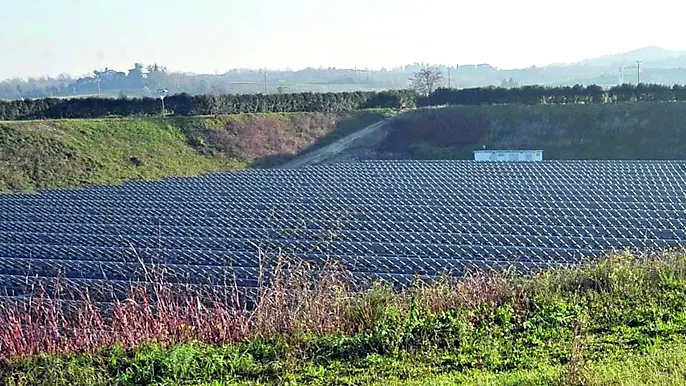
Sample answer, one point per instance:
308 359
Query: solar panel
395 220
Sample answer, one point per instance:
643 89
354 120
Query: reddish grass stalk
299 298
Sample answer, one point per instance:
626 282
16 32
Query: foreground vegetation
68 153
618 321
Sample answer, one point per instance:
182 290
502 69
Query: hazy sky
48 37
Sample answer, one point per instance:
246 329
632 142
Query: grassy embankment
67 153
63 153
621 321
646 130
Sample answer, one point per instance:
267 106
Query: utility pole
449 69
265 81
98 86
162 93
638 72
621 76
457 67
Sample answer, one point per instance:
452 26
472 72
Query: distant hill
650 56
660 66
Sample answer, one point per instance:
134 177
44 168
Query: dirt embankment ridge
647 130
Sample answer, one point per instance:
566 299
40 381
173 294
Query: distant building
508 155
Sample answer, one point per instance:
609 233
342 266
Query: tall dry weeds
576 372
294 298
474 290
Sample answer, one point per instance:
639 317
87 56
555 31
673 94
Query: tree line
209 104
214 104
553 95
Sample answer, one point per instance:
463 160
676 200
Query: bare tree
216 100
426 81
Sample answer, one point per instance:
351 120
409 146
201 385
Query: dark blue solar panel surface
396 220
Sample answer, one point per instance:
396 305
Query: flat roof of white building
502 151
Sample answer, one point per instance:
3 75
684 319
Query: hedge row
185 104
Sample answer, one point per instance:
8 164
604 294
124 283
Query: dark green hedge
185 104
554 95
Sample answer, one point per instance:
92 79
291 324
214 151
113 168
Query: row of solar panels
430 176
482 191
201 280
447 181
545 165
345 243
229 268
384 230
342 205
518 216
283 193
419 175
103 269
366 221
177 260
466 170
243 276
474 168
450 181
440 189
256 257
361 176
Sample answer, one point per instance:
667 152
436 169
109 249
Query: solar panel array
397 220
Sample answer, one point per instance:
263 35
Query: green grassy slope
648 130
66 153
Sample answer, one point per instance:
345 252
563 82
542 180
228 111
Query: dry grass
473 291
298 298
44 324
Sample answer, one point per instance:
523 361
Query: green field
68 153
620 321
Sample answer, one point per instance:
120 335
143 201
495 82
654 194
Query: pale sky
48 37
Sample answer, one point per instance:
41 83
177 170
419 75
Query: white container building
508 155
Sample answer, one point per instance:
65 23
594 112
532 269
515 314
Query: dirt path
364 137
